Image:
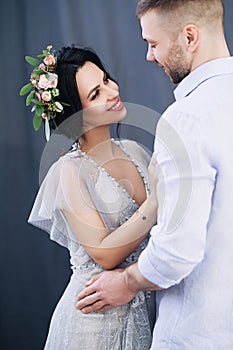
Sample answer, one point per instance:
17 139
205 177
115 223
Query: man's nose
150 55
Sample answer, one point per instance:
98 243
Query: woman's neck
97 140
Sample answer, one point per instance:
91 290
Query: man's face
164 48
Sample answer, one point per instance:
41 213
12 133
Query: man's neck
210 50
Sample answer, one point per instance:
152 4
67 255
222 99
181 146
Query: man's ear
192 37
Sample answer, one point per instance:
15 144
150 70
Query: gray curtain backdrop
34 270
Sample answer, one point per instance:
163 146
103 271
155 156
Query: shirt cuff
149 271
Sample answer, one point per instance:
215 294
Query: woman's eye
93 97
106 80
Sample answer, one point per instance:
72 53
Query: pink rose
58 107
50 60
34 82
44 116
46 96
42 66
38 97
43 82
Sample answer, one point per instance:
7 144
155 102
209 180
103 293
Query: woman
93 201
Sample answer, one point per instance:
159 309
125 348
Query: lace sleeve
64 188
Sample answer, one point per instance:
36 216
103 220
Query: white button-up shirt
190 252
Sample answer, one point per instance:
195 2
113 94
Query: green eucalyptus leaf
65 104
29 98
25 89
40 71
39 111
38 103
37 122
45 53
33 61
41 56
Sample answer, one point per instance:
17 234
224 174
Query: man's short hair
209 11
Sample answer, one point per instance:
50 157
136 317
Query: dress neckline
77 147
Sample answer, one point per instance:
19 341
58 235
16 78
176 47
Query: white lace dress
122 328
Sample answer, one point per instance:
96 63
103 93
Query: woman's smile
117 106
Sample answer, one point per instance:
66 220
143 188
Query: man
189 256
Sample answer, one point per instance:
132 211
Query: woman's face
99 96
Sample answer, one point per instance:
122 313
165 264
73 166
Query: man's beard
176 65
178 75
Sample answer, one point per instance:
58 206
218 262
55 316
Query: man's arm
113 288
136 281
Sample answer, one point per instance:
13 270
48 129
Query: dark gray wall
34 270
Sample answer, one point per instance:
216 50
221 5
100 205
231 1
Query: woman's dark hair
69 60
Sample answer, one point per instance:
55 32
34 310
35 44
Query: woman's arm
106 249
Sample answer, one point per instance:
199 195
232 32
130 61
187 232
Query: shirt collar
204 72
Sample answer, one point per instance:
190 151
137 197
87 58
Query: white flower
48 81
52 78
58 107
43 82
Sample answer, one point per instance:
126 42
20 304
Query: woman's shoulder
136 151
133 146
72 157
71 162
126 143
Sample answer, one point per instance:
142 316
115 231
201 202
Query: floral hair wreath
44 94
